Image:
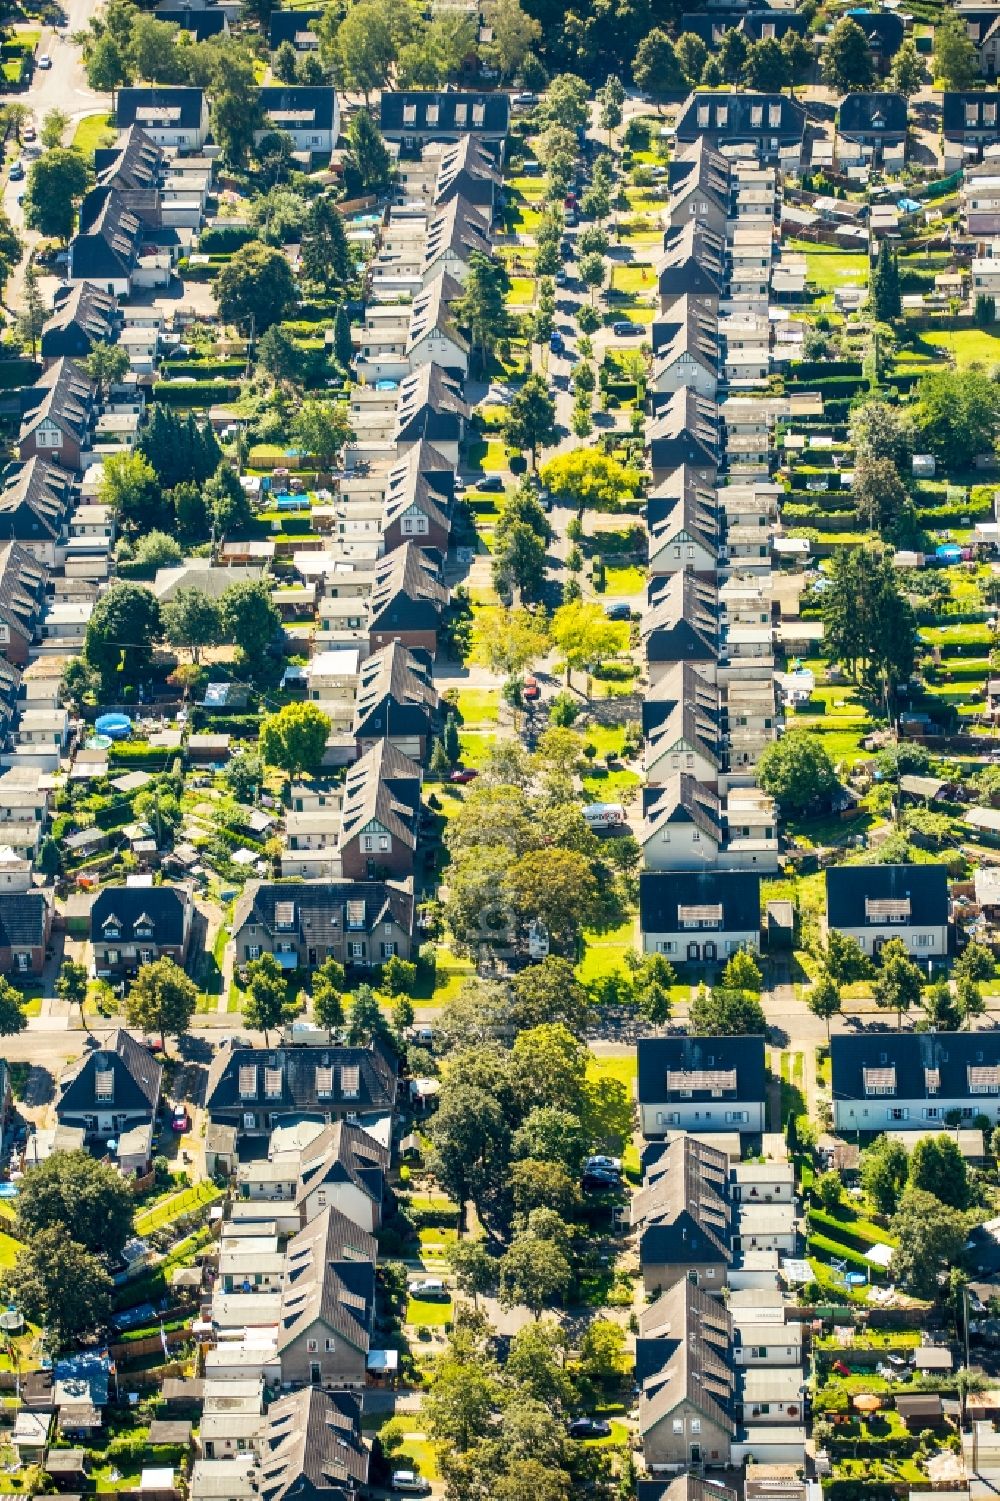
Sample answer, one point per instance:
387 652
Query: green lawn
828 269
604 952
522 291
619 581
417 1454
9 1250
428 1312
623 1070
93 131
479 706
491 456
967 346
177 1204
602 786
637 279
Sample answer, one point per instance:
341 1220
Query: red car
463 775
531 689
840 1368
179 1119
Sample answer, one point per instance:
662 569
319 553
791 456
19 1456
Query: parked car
45 61
626 330
531 689
428 1287
491 483
16 170
597 1180
463 774
589 1428
609 1164
179 1119
557 344
28 133
410 1482
619 610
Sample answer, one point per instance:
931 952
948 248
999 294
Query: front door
693 951
710 952
696 1454
314 1373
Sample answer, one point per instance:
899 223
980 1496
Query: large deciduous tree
84 1200
161 998
255 287
121 632
56 181
847 61
58 1283
295 738
797 772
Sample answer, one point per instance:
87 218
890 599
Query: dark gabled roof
662 895
686 310
681 621
81 317
685 430
396 680
311 1078
430 406
161 908
36 501
682 799
456 228
754 24
133 164
286 25
444 114
430 313
314 911
699 165
683 705
108 239
743 117
686 1357
683 503
24 919
63 394
464 168
406 594
137 1077
343 1153
693 336
883 30
693 260
384 787
420 477
321 1284
312 1446
22 583
923 1065
299 106
203 23
658 1056
850 887
159 106
976 111
682 1208
872 114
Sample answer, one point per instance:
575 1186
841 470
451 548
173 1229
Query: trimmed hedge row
201 370
220 238
196 393
806 369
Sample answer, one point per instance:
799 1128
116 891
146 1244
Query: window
355 914
145 956
253 950
272 1083
696 1425
330 1346
383 843
923 940
321 1198
899 1115
678 1425
248 1081
22 963
249 1120
312 1346
356 950
324 1083
104 1085
759 1352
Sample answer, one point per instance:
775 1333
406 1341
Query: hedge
15 373
862 1231
196 393
225 237
836 1250
835 386
807 369
200 370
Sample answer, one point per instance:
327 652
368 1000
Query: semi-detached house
912 1081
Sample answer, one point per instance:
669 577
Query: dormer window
324 1083
355 915
350 1081
248 1081
272 1083
112 927
104 1085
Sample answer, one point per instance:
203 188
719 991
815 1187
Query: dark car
589 1428
626 330
618 611
599 1180
466 774
491 483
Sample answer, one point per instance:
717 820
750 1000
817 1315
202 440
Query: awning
288 961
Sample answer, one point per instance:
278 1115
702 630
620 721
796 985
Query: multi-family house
359 923
982 22
22 600
105 248
396 701
406 602
698 178
380 812
693 265
682 521
312 1448
682 727
969 124
343 1169
874 903
111 1089
772 125
59 415
681 624
912 1081
309 114
871 127
36 503
690 358
254 1089
687 1385
418 500
702 1084
137 923
688 825
416 118
684 1218
468 170
25 920
699 915
686 429
82 316
173 117
327 1310
295 26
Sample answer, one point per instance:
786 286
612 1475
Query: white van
603 815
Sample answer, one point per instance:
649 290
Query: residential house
969 124
312 1448
884 31
25 924
105 248
698 178
360 923
691 358
36 502
456 231
688 825
682 522
872 127
201 23
414 119
684 1370
702 1084
111 1089
418 500
681 624
980 200
693 265
59 414
468 170
686 429
913 1081
327 1310
682 727
684 1218
343 1169
982 22
396 701
295 26
755 25
137 923
134 166
430 408
773 125
82 316
176 117
379 816
873 903
407 601
254 1089
22 600
699 915
308 113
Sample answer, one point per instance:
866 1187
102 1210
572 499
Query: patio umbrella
867 1402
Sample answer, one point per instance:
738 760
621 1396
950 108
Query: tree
161 998
154 52
726 1013
250 618
107 65
326 254
929 1238
879 494
828 1190
556 888
766 67
939 1007
798 57
530 419
589 477
824 999
131 489
180 449
244 775
906 75
797 772
880 431
536 1366
236 110
868 621
284 62
55 182
457 1410
367 156
321 428
471 1142
280 357
610 101
474 1269
366 1020
603 1354
514 33
34 313
265 996
958 414
61 1285
584 635
846 59
884 290
71 983
658 68
508 641
567 101
742 972
226 501
897 984
533 1273
106 364
550 992
481 307
955 60
519 561
938 1167
364 47
295 738
53 128
885 1167
329 984
13 1017
551 1134
255 287
536 1184
692 54
732 54
85 1200
192 619
343 348
121 631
